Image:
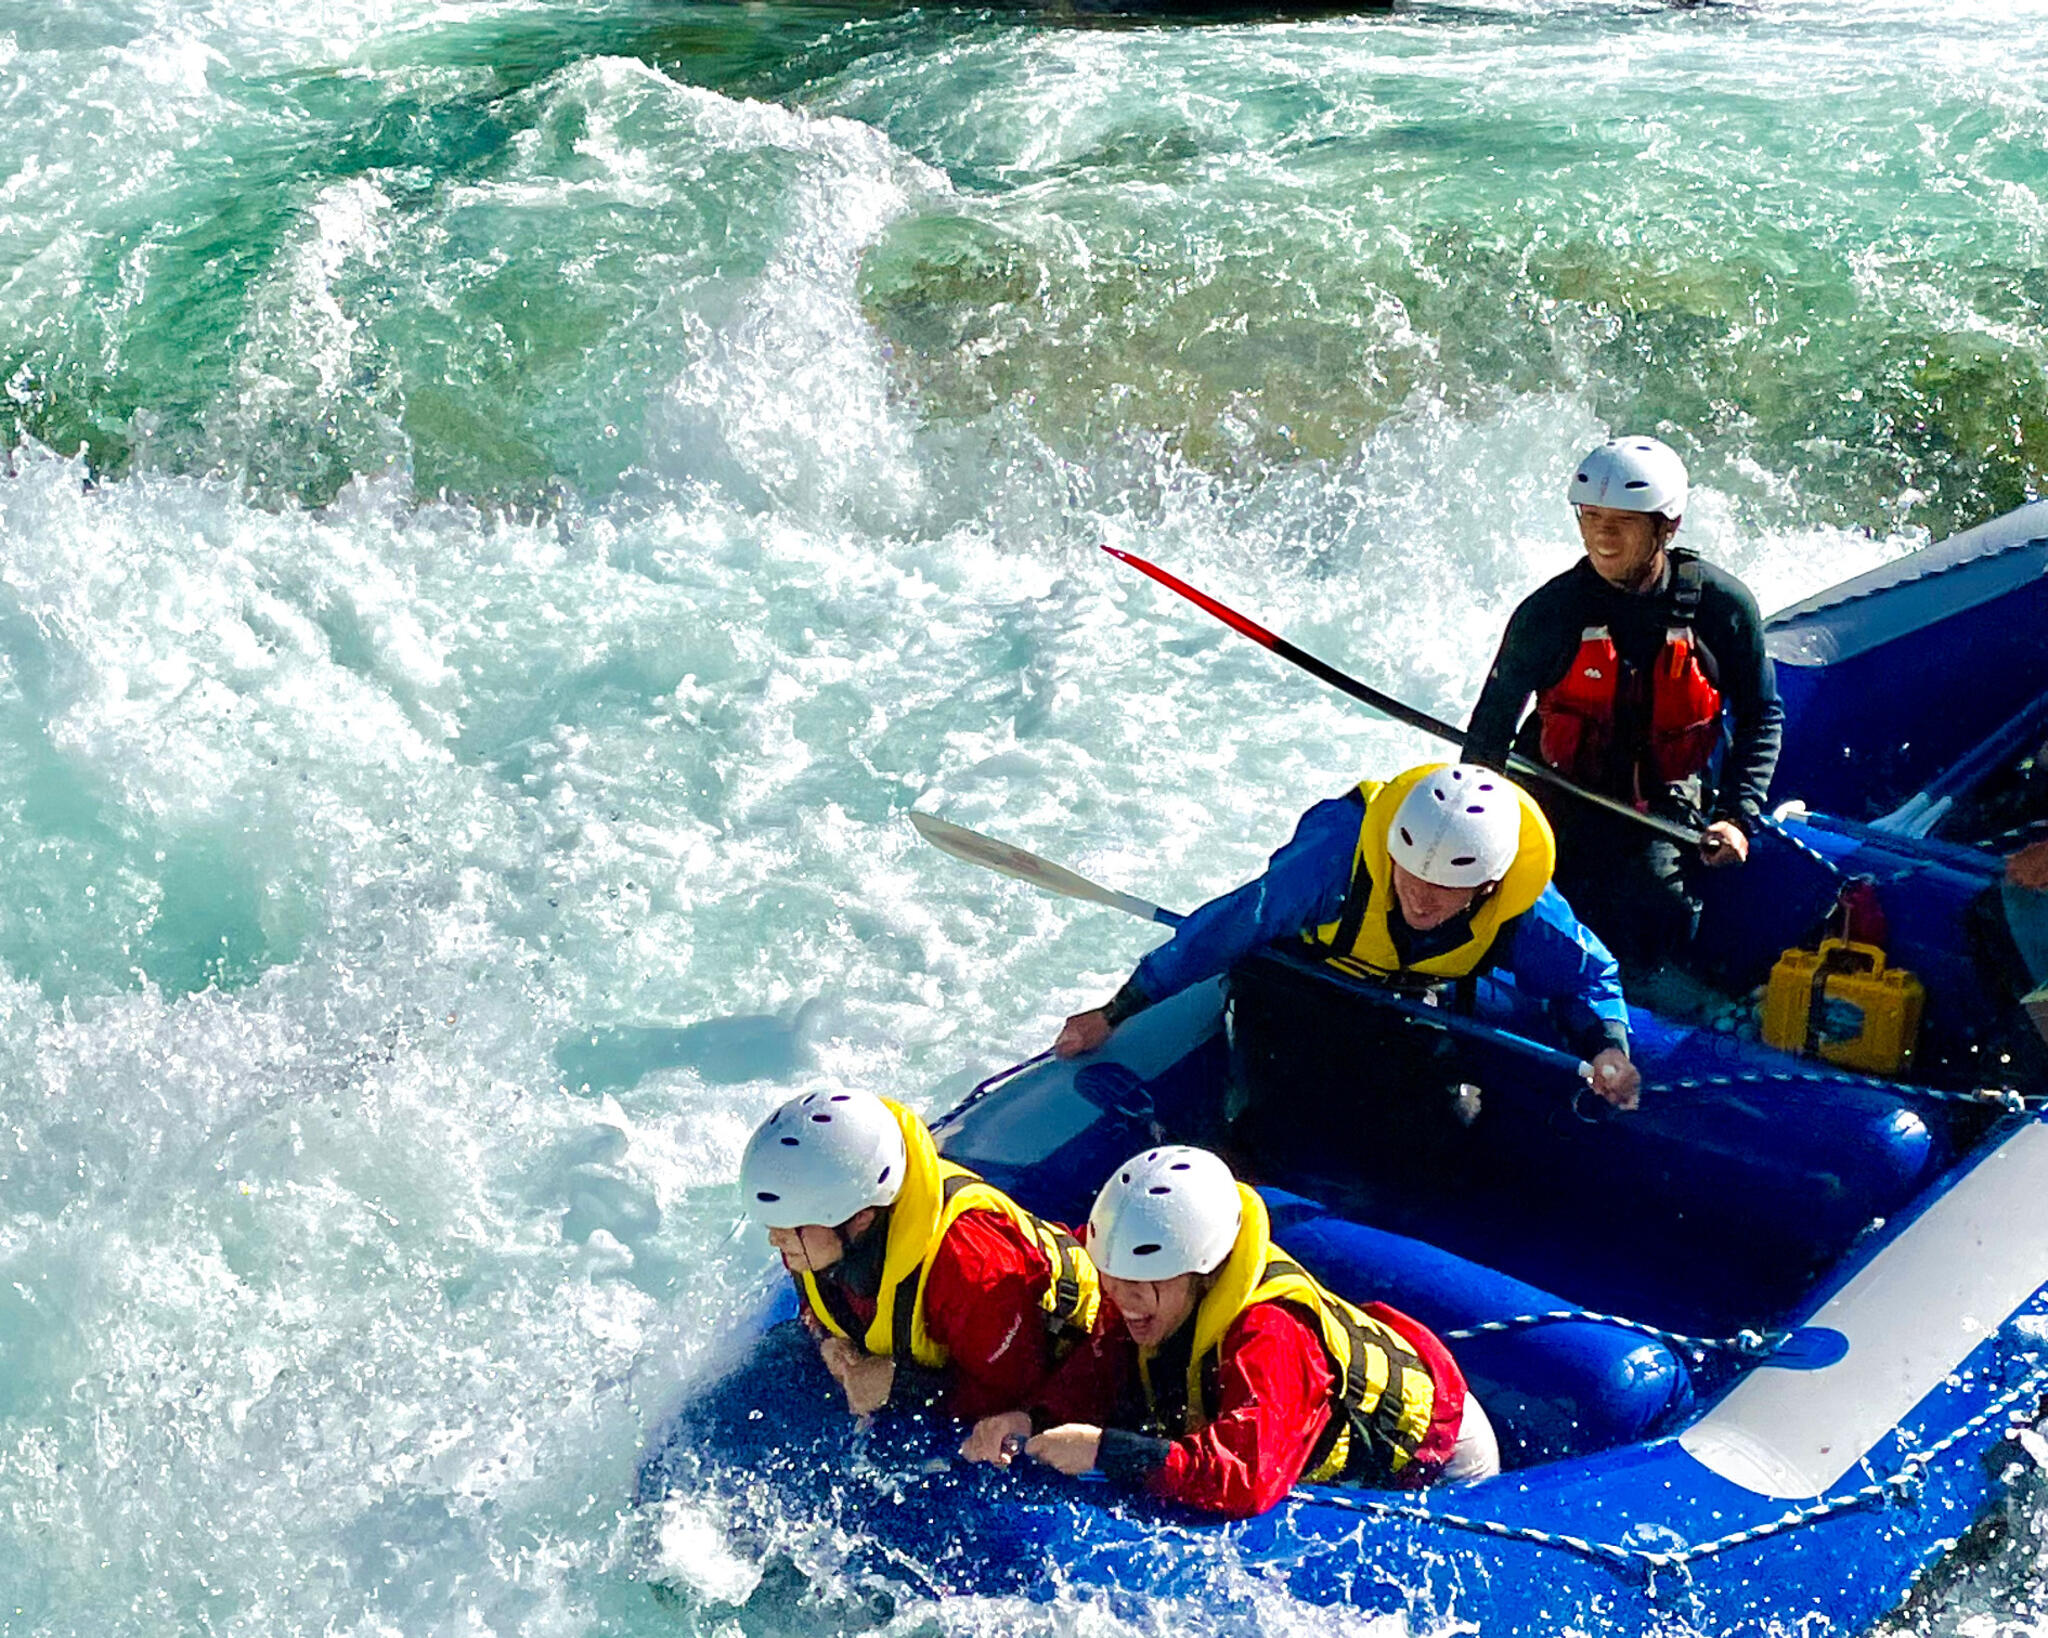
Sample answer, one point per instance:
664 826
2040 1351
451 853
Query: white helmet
1165 1212
1459 827
821 1158
1632 475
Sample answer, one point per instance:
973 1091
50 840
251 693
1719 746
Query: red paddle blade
1229 616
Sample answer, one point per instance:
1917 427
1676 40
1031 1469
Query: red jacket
1272 1408
981 1303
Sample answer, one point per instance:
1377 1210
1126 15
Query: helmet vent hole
1636 483
883 1175
1126 1177
769 1199
792 1143
1178 1166
1407 839
1146 1250
1159 1188
1464 859
822 1120
840 1097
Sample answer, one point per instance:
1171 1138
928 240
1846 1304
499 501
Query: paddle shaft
976 849
1386 704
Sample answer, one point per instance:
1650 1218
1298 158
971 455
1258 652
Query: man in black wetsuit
1634 655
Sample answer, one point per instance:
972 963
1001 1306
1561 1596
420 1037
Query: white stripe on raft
1912 1316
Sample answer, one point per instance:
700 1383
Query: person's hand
1616 1079
867 1382
838 1353
1071 1448
1722 843
1083 1032
867 1378
2029 867
986 1442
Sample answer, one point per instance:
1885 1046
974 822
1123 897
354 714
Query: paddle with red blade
1386 703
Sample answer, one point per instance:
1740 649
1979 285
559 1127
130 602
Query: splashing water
511 502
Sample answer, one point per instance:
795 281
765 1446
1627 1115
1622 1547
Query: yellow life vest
1359 942
1384 1396
935 1192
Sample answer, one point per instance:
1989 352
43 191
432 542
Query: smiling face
1425 905
1626 549
1152 1309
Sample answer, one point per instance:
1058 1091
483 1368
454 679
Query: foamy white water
559 483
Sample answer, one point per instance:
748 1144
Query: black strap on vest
837 1303
1373 1436
1688 580
1066 1277
911 1286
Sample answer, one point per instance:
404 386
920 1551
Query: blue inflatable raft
1758 1352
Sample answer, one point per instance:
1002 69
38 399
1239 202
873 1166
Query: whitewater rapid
510 505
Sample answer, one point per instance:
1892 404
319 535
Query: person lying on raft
918 1279
1223 1374
1433 876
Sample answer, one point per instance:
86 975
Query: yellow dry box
1841 1002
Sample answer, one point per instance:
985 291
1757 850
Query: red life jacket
1681 716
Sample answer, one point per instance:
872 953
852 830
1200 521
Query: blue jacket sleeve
1302 886
1557 959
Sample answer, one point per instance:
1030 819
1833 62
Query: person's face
1424 904
1152 1309
808 1250
1624 547
814 1248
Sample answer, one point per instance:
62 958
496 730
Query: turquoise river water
510 501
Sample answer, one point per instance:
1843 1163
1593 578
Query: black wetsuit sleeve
1127 1459
916 1387
1128 1002
1538 645
1749 683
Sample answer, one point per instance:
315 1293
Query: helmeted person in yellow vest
1227 1374
1436 875
917 1278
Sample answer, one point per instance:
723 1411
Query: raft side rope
984 1088
1749 1344
2009 1098
1776 826
1901 1485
